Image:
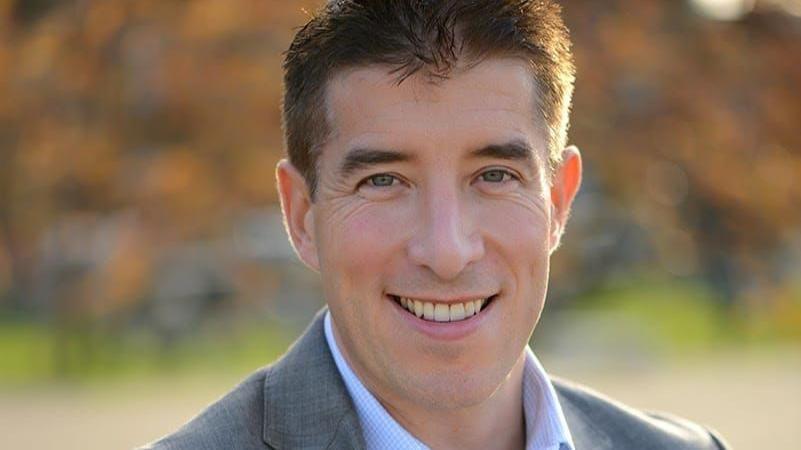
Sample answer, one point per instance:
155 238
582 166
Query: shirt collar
546 427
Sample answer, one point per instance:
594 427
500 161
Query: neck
497 423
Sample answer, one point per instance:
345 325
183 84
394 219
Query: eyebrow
513 150
361 158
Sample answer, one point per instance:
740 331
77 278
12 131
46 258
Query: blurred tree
131 131
693 125
27 11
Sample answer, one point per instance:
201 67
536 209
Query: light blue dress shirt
546 428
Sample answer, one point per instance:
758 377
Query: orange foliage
168 111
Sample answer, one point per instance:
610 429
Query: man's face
437 194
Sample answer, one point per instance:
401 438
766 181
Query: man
428 182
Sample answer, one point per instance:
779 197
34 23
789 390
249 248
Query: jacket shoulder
233 421
592 413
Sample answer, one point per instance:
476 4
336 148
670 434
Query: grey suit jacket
301 402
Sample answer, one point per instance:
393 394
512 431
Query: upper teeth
441 312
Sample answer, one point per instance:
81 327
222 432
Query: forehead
490 101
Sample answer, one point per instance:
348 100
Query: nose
447 239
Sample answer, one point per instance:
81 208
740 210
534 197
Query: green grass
34 353
676 316
25 350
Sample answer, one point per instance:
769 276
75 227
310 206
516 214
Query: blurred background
144 268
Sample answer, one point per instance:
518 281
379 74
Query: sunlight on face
434 192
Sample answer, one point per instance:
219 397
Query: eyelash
373 177
504 173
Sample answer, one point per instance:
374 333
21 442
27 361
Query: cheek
520 231
359 239
519 236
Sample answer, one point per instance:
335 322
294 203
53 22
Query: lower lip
443 331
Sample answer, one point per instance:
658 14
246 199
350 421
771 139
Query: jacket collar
584 430
306 403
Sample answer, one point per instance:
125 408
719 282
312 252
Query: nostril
446 256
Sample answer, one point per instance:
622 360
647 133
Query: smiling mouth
443 312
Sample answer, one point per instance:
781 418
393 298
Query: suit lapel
306 403
585 433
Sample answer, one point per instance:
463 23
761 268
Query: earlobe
564 186
296 207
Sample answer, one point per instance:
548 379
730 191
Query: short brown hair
421 35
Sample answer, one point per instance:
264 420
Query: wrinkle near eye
528 199
333 187
341 209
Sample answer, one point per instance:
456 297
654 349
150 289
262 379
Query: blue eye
495 176
381 180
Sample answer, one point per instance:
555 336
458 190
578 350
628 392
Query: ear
296 206
564 186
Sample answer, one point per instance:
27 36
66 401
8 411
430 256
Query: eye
380 180
381 186
496 176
